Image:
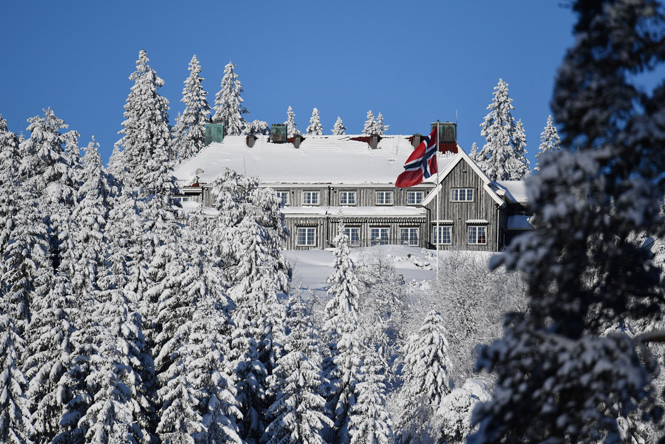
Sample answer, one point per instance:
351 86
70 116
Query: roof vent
416 139
214 133
297 140
278 133
447 136
251 140
374 141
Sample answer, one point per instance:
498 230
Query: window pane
445 235
454 194
472 235
469 195
481 235
352 198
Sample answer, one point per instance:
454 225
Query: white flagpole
438 200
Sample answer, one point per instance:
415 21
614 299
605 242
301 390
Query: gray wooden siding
482 207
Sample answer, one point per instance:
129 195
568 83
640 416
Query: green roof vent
214 132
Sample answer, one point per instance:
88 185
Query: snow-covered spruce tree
10 157
426 372
291 126
315 127
341 327
228 103
256 127
146 127
339 129
581 271
474 154
370 124
453 419
298 412
549 141
502 157
189 131
15 423
379 127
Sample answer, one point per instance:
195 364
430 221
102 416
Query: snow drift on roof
520 223
516 190
320 159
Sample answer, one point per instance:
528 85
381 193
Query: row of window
350 197
382 197
306 236
476 235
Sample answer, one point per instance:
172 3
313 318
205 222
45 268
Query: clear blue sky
415 62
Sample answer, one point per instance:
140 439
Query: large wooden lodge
324 180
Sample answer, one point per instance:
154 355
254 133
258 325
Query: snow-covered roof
515 190
320 159
520 223
447 167
389 211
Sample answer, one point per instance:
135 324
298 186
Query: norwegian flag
421 164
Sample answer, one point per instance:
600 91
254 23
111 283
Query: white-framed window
353 233
378 235
181 199
408 236
477 235
384 197
444 235
310 197
347 197
461 195
306 236
414 197
284 196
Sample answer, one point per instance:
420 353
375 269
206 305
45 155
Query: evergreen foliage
190 129
583 274
549 141
370 124
339 129
379 127
502 157
291 126
228 103
315 127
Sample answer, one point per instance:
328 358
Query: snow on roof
320 159
520 223
356 211
515 190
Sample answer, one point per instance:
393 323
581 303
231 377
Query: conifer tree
298 411
502 157
190 129
549 141
146 129
291 125
9 154
379 127
582 272
315 127
370 124
339 129
228 103
427 367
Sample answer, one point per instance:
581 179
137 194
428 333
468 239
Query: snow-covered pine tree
9 154
582 272
298 411
474 154
502 157
291 125
549 141
369 420
145 129
228 103
339 128
190 129
15 423
379 127
426 372
315 127
341 327
370 124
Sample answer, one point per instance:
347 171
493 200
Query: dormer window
310 198
347 197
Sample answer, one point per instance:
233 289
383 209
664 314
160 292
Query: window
284 195
310 197
461 195
306 236
180 199
353 233
414 197
409 236
384 197
379 236
347 197
444 236
477 235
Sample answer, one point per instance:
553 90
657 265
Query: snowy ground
311 268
